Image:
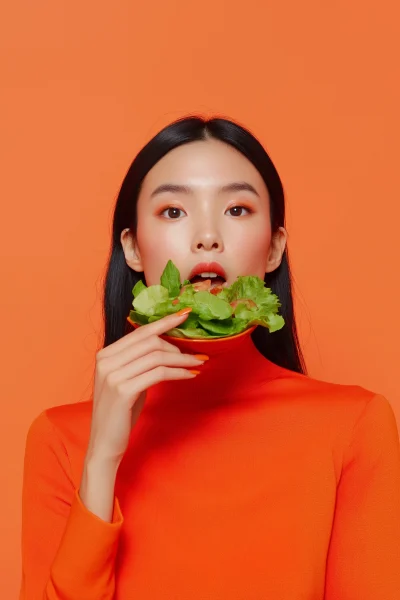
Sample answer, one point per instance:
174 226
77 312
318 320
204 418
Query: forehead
204 163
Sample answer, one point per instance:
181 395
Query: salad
217 311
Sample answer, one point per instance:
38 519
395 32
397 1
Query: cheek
157 245
251 249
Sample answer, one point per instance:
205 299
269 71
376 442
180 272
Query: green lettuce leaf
272 322
137 317
225 327
152 300
195 333
244 287
192 322
171 280
139 287
208 306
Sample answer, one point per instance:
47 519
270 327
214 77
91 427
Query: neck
234 368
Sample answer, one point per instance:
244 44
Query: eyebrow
237 186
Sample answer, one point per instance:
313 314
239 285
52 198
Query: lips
212 267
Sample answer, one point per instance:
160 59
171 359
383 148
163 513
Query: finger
162 325
150 362
167 346
133 352
156 328
130 388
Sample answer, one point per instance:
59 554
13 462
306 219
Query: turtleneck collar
234 368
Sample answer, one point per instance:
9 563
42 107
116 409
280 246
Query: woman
216 469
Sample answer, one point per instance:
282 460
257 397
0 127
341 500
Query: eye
172 213
238 210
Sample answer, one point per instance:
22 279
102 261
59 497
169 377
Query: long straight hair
282 347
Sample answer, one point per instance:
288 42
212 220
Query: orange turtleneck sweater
250 482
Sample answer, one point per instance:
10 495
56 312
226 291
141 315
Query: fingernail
194 372
201 356
183 311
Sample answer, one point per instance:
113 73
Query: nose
207 240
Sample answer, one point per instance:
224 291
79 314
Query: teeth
208 274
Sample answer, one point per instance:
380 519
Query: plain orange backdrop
86 84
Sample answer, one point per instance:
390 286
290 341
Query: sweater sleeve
364 554
68 553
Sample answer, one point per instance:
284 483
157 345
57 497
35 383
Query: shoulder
348 421
62 431
66 420
342 406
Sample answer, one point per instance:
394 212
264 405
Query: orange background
86 84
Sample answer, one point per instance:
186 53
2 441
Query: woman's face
203 202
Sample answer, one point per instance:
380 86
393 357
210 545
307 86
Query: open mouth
218 280
208 275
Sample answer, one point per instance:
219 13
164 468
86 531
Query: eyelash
249 210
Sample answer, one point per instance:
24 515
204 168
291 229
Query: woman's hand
124 371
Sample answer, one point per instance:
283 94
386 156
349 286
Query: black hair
282 347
